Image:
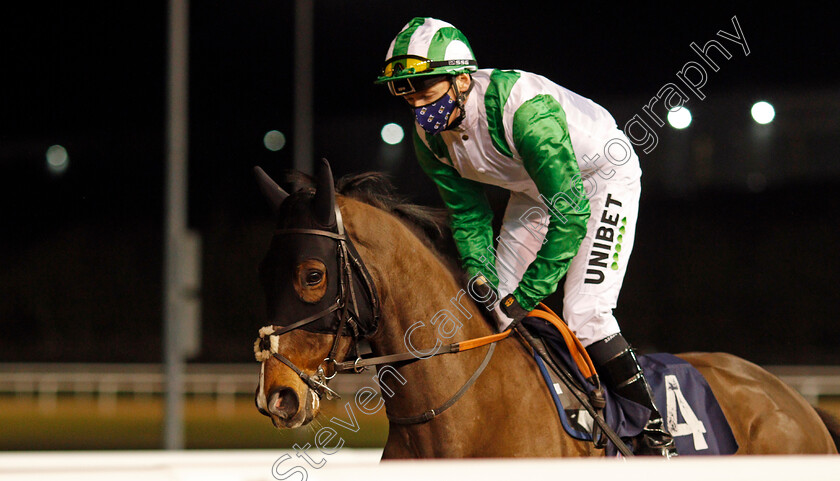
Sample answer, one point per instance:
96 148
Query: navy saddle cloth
691 413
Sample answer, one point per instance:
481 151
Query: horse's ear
273 192
324 201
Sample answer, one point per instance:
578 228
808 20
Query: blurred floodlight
392 134
679 118
763 112
57 159
274 140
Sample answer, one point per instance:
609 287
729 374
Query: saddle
691 412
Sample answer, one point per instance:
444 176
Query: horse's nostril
283 403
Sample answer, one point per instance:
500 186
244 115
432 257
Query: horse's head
319 301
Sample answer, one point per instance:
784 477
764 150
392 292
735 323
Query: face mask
434 117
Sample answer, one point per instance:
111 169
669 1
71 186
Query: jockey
574 183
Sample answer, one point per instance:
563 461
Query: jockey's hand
512 310
485 295
503 322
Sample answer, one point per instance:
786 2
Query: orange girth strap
576 349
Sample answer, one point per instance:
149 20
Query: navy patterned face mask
434 117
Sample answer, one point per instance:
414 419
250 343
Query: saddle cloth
685 400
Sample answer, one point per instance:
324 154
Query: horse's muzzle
285 408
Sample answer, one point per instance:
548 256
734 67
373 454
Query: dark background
737 240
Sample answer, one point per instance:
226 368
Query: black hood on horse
306 252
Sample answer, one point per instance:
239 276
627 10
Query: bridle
346 305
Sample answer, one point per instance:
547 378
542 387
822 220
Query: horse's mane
376 189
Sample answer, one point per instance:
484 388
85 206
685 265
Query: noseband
346 306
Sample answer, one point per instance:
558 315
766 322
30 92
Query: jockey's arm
472 228
541 136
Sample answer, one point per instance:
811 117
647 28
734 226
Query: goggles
403 67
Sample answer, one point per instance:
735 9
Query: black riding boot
620 371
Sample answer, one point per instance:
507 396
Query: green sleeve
472 218
541 136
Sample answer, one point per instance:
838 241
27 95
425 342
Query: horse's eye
310 280
313 278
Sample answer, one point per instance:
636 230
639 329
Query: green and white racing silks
526 134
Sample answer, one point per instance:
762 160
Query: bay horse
354 265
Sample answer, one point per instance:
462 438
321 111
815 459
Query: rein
456 347
410 356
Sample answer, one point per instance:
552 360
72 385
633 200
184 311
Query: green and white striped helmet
425 47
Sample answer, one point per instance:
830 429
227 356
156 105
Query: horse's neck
415 286
419 295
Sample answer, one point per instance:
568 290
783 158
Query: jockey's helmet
424 50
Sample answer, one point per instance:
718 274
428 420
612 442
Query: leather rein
346 305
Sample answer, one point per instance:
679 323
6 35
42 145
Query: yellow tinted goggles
406 65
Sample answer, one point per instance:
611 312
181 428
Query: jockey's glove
513 310
485 295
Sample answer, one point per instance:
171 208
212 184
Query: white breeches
596 273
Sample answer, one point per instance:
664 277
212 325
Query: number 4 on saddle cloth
691 412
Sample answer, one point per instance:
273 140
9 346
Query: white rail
46 381
225 381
